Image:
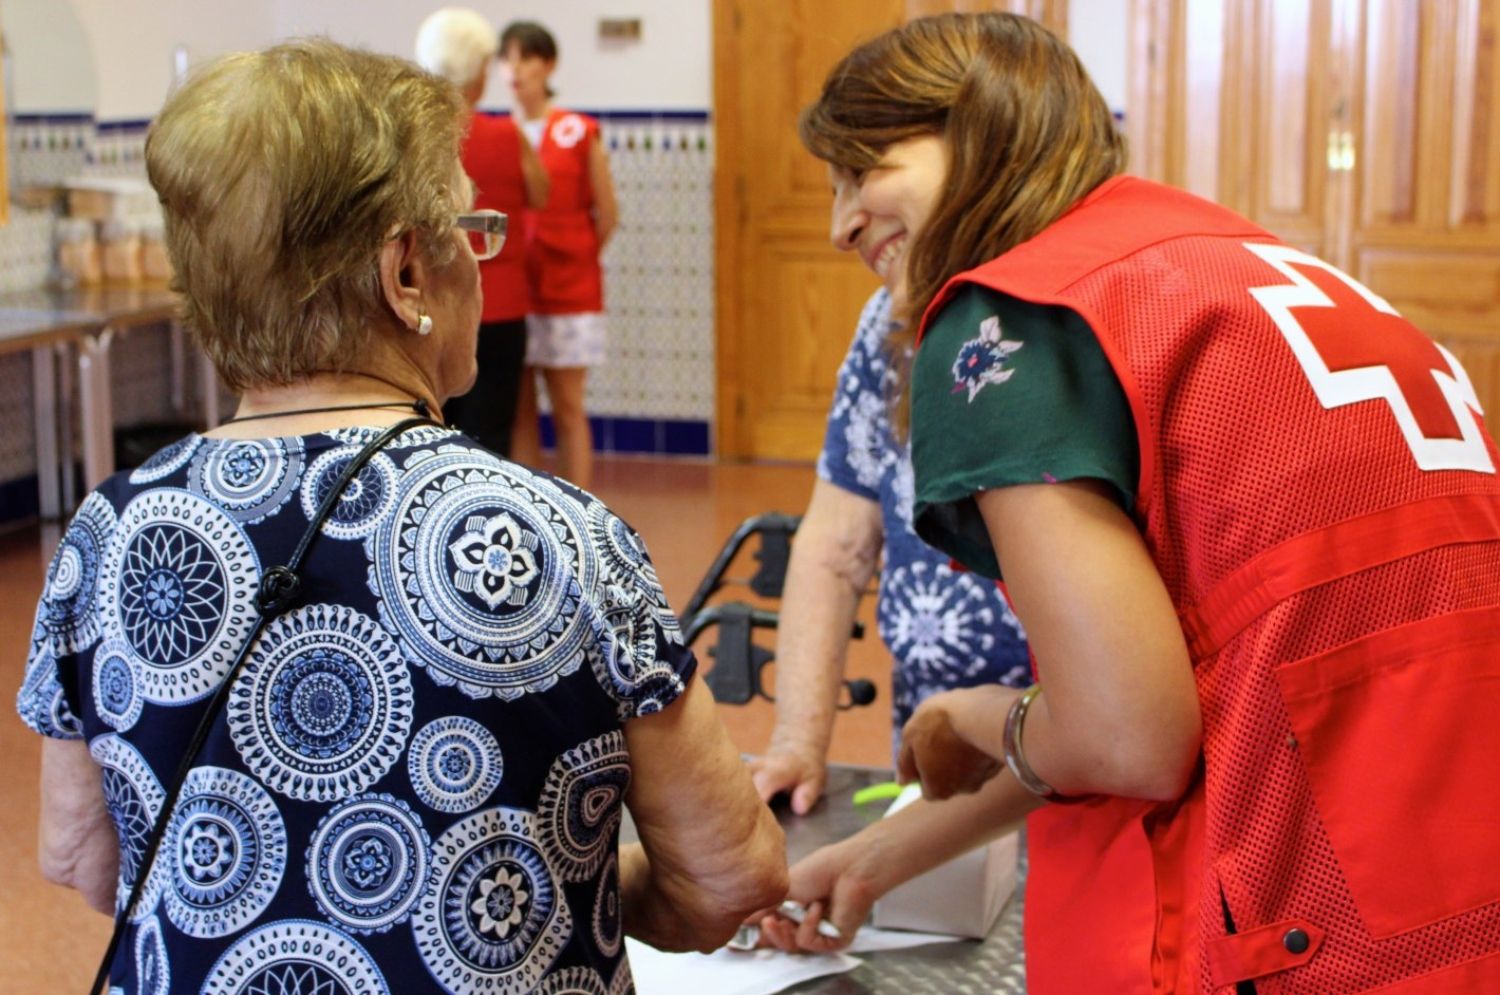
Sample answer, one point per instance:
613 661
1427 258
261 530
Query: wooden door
1365 131
1231 99
786 301
1423 173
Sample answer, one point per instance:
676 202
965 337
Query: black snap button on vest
1296 941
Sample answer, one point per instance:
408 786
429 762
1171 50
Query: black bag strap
279 589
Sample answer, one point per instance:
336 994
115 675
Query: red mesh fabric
1240 457
1260 808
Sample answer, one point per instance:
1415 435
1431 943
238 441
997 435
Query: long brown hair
1028 134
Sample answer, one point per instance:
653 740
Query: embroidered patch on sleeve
981 361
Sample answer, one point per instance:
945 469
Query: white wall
133 42
129 44
1099 31
668 69
119 55
51 63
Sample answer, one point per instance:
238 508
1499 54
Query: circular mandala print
249 478
422 435
324 705
480 575
179 584
368 863
153 975
67 614
117 685
579 810
608 929
625 658
223 855
454 764
133 796
364 501
166 461
295 957
574 981
41 702
494 919
624 562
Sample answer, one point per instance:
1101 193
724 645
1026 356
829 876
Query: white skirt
565 341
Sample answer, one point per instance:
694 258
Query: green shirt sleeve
1008 392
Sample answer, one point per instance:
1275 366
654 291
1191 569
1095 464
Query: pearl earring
424 324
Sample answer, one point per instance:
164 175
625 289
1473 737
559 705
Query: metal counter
78 325
963 967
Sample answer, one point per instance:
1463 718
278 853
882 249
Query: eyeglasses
486 231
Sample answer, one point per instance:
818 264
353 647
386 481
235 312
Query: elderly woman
458 44
417 777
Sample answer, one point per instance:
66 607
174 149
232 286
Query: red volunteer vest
563 257
492 159
1320 495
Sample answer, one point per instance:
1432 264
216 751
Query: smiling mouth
882 261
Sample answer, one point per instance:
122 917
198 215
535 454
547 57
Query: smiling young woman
1253 547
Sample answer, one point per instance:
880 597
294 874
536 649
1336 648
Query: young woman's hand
836 883
938 750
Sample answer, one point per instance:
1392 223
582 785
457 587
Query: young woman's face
526 74
880 212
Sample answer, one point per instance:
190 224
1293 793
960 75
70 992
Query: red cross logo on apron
1355 347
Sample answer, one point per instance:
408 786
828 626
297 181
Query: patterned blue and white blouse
417 784
945 628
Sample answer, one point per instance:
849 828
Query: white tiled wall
659 281
658 272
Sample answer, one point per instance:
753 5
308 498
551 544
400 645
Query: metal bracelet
1015 757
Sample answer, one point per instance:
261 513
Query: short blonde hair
456 43
281 175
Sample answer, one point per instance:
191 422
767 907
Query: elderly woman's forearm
77 846
834 555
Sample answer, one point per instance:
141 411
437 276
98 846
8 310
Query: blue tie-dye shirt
945 629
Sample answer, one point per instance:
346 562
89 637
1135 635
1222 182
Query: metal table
80 325
965 967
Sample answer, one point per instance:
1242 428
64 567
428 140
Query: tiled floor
49 940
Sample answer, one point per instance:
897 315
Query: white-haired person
459 45
381 695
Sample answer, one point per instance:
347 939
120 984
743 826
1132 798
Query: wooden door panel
805 341
1446 293
1425 224
1229 100
1292 98
787 301
1481 361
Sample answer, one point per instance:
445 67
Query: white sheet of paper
728 972
870 940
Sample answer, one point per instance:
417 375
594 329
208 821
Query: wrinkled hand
832 883
934 752
800 773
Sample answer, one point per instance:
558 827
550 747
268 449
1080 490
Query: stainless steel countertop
964 967
34 317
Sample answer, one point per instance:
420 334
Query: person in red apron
566 326
1248 515
458 44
